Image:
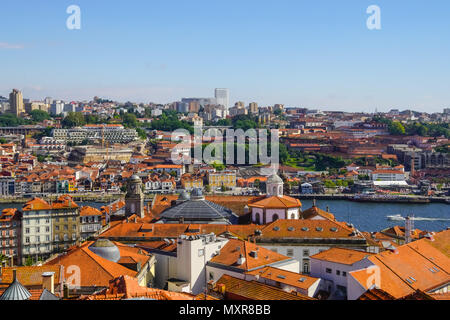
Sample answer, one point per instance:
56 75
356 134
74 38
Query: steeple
134 199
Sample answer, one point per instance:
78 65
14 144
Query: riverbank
99 198
379 199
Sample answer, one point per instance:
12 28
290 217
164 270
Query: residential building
10 234
17 106
226 179
333 266
223 97
110 133
401 271
90 222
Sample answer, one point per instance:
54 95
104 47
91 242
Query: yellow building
189 182
222 178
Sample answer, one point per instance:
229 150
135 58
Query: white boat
397 217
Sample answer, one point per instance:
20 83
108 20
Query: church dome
274 179
135 178
105 249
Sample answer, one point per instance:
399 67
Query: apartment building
48 228
111 133
10 233
222 178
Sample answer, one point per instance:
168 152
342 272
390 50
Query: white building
276 205
188 264
333 267
223 98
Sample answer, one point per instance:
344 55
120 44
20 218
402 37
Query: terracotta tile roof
420 265
342 256
441 296
376 294
316 211
125 287
89 211
238 289
277 202
307 229
30 276
294 279
63 202
97 271
231 252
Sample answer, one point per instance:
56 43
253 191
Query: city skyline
297 53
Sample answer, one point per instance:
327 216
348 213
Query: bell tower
134 199
274 186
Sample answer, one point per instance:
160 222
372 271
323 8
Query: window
290 252
66 227
56 238
27 230
47 229
257 218
38 230
57 228
328 270
211 276
338 272
344 274
27 240
274 250
306 253
293 216
275 217
201 252
306 267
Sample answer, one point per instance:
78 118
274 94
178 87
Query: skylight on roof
305 229
302 279
281 277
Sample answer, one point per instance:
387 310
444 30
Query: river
366 216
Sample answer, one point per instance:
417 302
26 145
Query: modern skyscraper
223 97
16 102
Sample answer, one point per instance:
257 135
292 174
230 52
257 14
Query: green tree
141 133
130 120
396 128
73 119
39 115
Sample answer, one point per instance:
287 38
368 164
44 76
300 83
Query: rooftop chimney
48 281
14 275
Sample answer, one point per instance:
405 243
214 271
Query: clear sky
315 53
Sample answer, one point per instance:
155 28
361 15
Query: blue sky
316 54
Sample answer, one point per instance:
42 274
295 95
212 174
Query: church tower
274 186
134 199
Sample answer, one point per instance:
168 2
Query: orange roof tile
277 202
231 252
341 255
238 289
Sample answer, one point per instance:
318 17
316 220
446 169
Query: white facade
335 275
36 233
223 98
